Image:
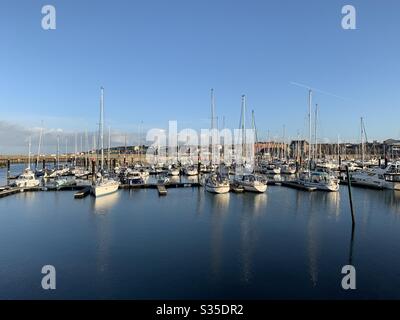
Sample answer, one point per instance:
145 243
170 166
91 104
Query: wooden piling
162 191
350 196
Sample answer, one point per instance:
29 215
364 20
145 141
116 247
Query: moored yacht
252 183
103 185
134 177
378 178
320 180
217 183
27 179
272 169
173 171
288 169
191 171
61 181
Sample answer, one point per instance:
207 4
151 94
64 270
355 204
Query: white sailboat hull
104 189
191 172
259 188
27 183
217 189
174 173
274 171
323 187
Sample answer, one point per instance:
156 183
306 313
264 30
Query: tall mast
309 122
76 147
58 152
109 146
212 110
140 140
125 150
40 142
29 153
243 125
253 124
93 142
362 143
315 131
283 143
102 127
87 148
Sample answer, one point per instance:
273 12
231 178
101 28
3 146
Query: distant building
299 148
392 147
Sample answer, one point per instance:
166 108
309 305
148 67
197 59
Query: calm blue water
192 244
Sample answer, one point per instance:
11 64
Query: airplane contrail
318 90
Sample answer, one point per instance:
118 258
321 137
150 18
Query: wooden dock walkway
162 191
8 191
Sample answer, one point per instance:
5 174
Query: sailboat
27 178
173 171
216 183
62 180
39 173
103 184
190 171
288 169
320 180
252 183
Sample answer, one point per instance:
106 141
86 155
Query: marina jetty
78 159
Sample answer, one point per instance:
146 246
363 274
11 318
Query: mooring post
44 164
350 196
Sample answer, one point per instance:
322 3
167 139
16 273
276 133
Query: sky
157 61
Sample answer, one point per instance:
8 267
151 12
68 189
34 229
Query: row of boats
219 179
319 175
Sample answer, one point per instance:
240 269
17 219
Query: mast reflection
219 209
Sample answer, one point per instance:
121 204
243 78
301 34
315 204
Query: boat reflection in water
219 211
258 203
329 202
219 202
392 199
252 208
313 245
102 205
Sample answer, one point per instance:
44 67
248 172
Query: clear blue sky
158 60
